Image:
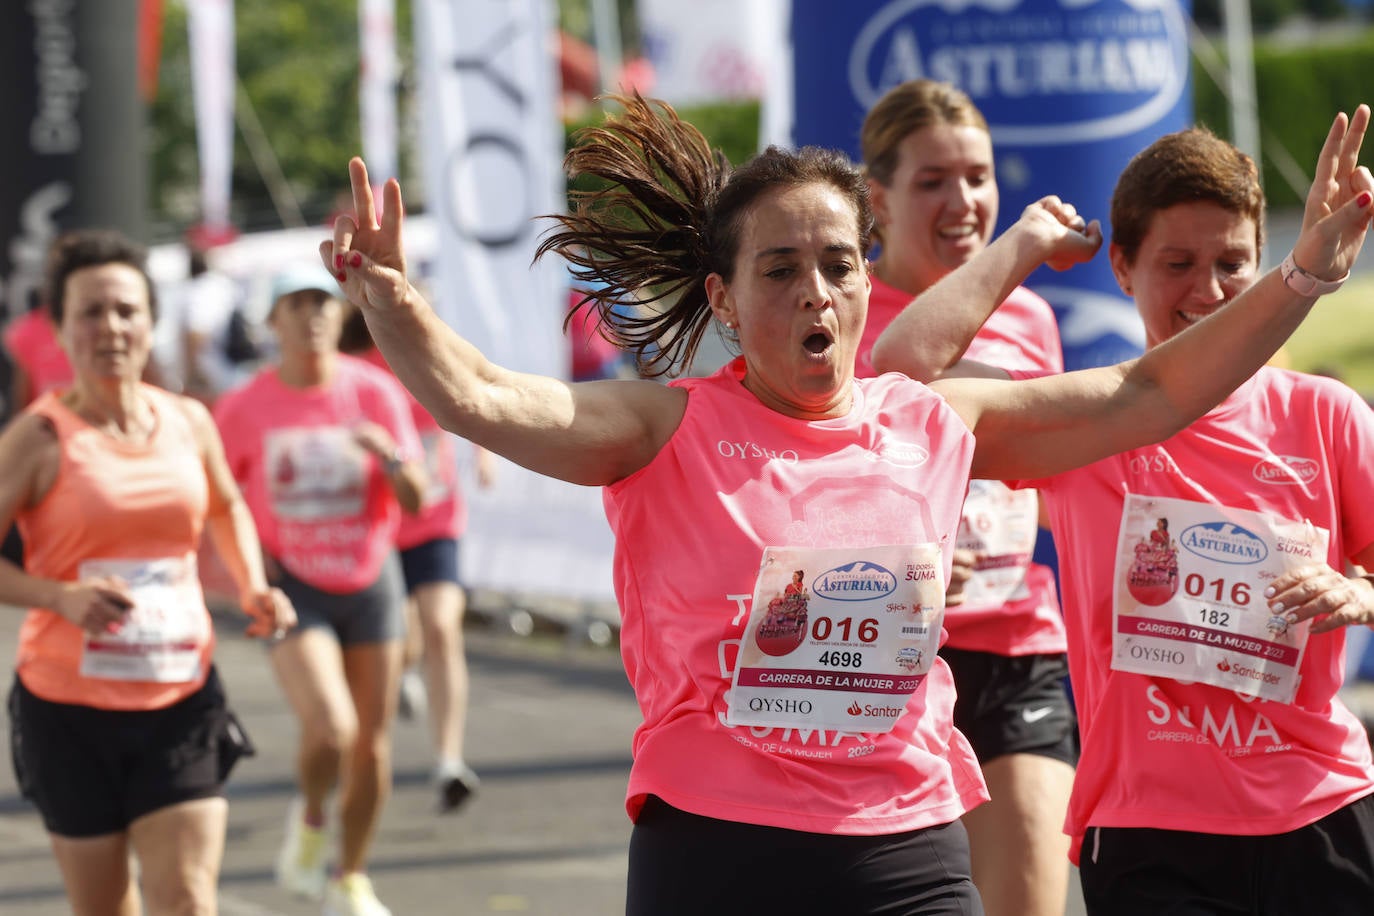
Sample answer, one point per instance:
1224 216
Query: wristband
1304 283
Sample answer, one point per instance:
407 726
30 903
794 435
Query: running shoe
301 861
413 700
352 895
456 783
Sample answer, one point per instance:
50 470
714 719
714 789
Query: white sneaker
413 701
301 861
456 783
352 895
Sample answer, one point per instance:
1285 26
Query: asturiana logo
1225 543
1018 59
857 581
1287 469
901 454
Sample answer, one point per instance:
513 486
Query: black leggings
686 865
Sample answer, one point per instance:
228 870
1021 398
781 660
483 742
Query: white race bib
164 632
838 638
999 524
1189 595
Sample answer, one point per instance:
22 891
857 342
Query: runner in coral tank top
805 734
121 732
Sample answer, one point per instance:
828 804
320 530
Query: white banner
715 49
530 534
210 27
492 152
377 77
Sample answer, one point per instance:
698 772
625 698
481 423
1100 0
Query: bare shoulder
659 406
30 454
26 434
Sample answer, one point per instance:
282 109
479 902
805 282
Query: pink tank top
1158 752
112 502
691 528
322 504
1020 334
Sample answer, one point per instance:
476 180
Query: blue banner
1070 89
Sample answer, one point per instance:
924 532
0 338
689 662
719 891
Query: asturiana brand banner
1071 89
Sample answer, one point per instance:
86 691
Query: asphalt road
546 834
549 733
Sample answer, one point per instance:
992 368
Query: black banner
72 147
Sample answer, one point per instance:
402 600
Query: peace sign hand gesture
1336 216
367 257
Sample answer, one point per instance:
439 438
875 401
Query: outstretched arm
590 433
1036 428
932 333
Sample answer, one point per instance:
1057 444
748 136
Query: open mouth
1192 317
818 342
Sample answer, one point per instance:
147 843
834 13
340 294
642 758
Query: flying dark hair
669 214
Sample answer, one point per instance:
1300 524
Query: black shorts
13 547
375 614
432 561
686 865
1326 867
93 771
1013 704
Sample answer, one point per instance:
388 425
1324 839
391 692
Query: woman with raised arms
829 763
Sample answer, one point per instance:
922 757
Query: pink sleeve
393 412
1354 444
231 434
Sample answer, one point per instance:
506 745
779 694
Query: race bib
838 639
1189 595
315 473
1000 525
163 633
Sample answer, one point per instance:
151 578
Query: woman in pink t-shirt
327 455
823 775
928 157
1220 770
40 363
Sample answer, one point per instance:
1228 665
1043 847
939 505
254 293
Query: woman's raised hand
1336 216
367 257
1067 238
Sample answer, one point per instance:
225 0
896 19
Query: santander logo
1287 469
855 709
1223 665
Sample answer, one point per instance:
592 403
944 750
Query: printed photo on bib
162 634
315 473
838 638
1189 596
999 524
